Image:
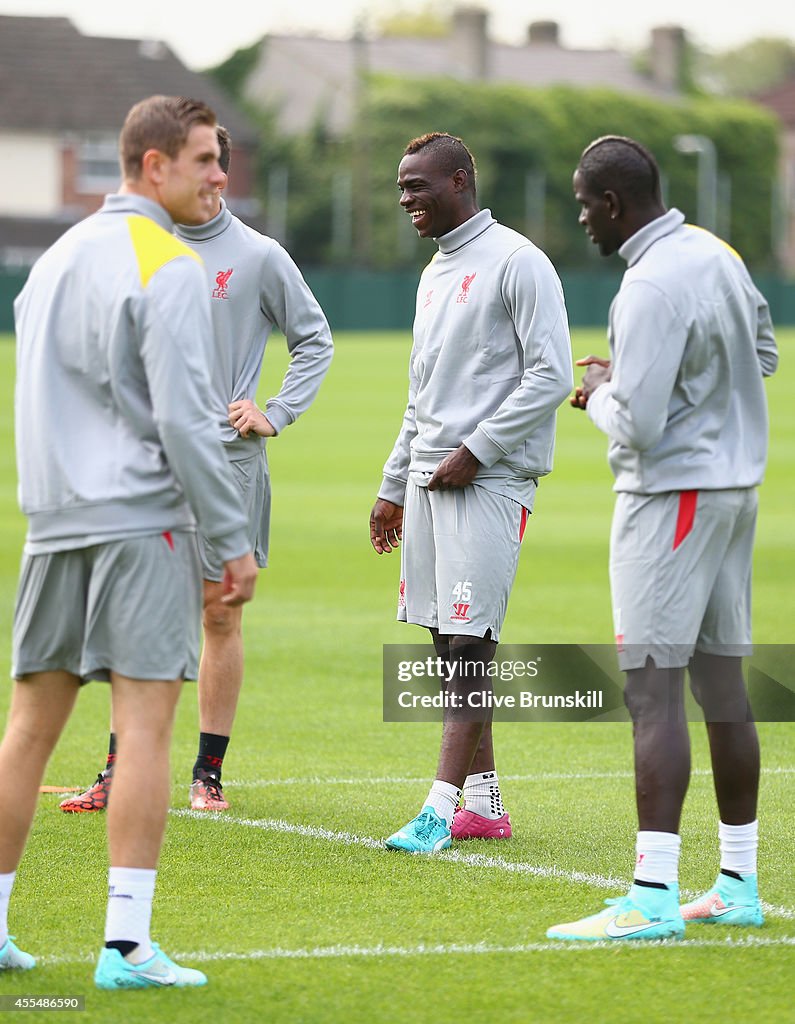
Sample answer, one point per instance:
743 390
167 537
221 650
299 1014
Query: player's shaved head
615 163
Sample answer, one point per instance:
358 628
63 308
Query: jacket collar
204 232
636 246
129 202
465 233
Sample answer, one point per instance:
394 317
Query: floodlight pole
704 148
361 183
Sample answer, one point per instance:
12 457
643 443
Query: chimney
545 32
152 49
469 44
668 56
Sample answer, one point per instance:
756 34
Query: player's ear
153 165
460 180
614 205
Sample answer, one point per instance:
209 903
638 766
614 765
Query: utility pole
362 233
704 148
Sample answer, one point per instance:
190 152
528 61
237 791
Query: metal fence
356 299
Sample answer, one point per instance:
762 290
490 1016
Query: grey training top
254 285
491 362
690 338
113 432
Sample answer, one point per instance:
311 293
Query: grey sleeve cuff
393 490
278 416
596 404
483 448
232 545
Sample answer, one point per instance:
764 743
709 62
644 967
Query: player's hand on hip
458 469
240 577
247 418
386 526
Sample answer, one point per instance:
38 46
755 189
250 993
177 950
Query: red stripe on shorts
523 524
169 538
686 516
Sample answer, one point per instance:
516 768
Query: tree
426 20
521 135
749 69
527 143
232 73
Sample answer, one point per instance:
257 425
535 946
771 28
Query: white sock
6 885
130 893
657 857
443 798
738 847
482 795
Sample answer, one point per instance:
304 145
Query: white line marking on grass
480 948
401 780
476 860
786 912
340 951
479 860
279 825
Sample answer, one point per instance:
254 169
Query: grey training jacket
690 339
491 362
254 285
113 430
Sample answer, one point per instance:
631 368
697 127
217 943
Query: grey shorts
458 559
253 481
680 575
131 606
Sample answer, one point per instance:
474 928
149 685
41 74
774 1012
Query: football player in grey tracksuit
253 286
118 459
683 403
490 364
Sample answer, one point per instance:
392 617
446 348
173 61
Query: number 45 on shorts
462 599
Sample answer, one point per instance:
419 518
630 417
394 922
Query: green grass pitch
287 901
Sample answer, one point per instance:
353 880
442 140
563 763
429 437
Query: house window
98 165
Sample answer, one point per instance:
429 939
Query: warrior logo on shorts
402 594
462 596
221 291
463 295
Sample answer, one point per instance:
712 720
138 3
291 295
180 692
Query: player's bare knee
153 736
220 619
697 688
718 686
37 739
654 694
638 700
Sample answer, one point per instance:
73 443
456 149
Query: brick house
63 99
